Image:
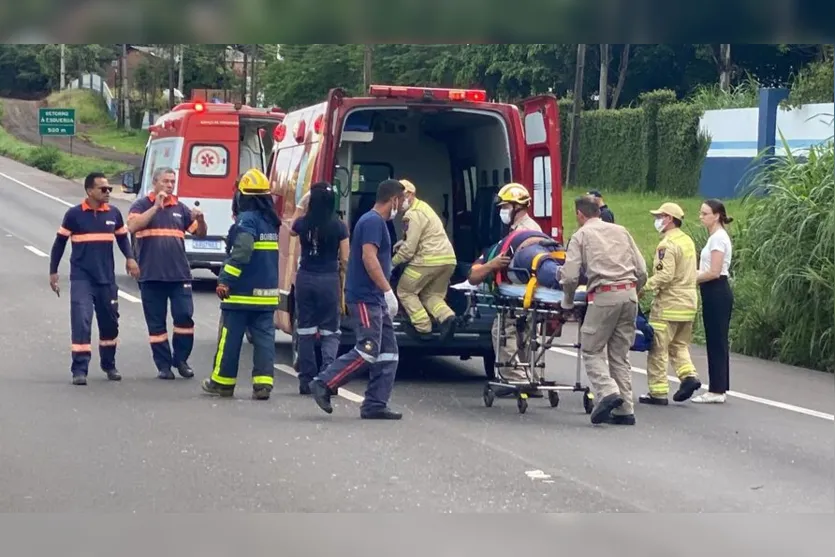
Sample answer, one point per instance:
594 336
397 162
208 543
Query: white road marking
36 251
742 396
537 475
344 393
36 190
128 297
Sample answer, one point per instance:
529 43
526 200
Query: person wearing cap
606 214
513 201
429 260
673 284
248 290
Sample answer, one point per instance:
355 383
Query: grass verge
51 159
99 128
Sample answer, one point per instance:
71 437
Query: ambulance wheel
522 403
490 365
489 396
553 398
588 401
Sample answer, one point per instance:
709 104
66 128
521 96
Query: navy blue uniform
251 272
317 295
368 315
92 279
165 275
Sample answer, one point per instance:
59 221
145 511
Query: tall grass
712 97
785 271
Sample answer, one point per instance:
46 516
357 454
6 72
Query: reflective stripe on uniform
262 380
234 271
439 260
265 246
160 232
388 358
307 331
216 377
658 325
678 314
419 315
411 273
93 237
252 300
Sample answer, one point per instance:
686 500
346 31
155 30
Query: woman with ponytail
717 298
322 263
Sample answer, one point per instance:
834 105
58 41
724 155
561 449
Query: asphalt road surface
20 119
149 445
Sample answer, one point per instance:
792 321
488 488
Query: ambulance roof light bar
427 93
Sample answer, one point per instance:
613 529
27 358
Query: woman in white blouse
717 298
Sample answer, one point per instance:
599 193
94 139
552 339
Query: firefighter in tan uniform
673 309
430 263
513 201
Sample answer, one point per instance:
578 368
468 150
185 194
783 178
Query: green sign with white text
56 121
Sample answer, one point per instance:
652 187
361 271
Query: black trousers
717 306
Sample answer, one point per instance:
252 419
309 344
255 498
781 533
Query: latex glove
391 302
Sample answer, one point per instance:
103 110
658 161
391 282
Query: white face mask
659 224
406 204
393 213
504 214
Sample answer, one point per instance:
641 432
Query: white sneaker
709 398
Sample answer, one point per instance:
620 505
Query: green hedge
656 148
612 152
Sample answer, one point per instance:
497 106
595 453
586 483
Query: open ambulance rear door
541 122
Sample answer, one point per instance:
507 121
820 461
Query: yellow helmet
513 193
254 182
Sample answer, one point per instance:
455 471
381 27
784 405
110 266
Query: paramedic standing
673 283
371 307
248 290
91 227
606 214
430 263
513 201
717 298
322 264
159 222
616 271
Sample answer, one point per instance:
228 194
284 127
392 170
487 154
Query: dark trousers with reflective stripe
376 350
86 299
317 312
155 297
234 324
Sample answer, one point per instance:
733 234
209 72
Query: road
20 119
153 446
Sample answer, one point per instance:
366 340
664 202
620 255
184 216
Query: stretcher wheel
489 396
522 403
588 401
554 398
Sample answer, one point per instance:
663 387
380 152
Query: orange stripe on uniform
122 231
364 320
64 232
82 348
183 330
158 338
113 342
160 232
346 371
93 238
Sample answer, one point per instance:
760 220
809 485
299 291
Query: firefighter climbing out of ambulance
323 262
513 201
248 292
429 260
673 284
92 227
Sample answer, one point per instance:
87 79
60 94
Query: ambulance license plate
206 244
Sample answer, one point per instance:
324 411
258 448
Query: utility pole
246 73
180 76
171 77
123 73
253 91
63 67
574 141
368 66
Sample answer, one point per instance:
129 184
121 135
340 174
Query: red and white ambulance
208 145
455 146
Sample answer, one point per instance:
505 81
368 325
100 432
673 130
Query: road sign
56 121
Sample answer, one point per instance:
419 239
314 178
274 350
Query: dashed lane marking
36 251
742 396
344 393
128 297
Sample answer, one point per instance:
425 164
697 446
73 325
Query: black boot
688 386
211 388
653 400
185 370
380 414
261 392
166 374
617 419
113 374
322 395
447 329
79 379
603 410
304 387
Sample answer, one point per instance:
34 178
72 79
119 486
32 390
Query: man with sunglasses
92 227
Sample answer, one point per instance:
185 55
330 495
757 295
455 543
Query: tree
21 74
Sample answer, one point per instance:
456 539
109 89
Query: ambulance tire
490 365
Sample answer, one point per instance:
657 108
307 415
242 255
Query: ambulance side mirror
128 183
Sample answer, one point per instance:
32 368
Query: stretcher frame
533 317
